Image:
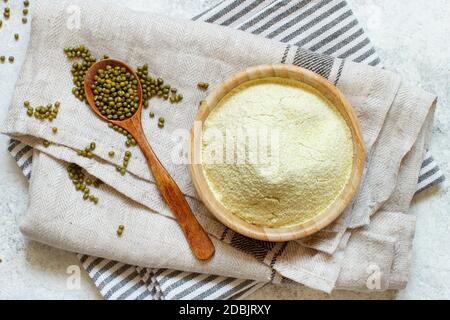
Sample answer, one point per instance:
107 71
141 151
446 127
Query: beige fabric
392 116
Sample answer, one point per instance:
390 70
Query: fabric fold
396 122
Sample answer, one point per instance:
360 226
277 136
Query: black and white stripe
320 64
430 174
325 27
192 286
230 13
23 155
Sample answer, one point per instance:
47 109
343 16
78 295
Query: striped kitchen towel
324 26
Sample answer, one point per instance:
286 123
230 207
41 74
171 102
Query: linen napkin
347 77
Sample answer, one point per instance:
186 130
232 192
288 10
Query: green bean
80 182
203 85
115 93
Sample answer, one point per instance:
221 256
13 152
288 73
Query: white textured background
412 38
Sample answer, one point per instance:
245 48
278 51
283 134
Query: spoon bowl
199 241
321 220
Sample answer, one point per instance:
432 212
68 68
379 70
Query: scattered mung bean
123 169
79 69
161 122
49 112
7 12
153 87
130 141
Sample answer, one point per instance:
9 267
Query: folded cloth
391 114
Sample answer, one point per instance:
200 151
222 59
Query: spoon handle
199 241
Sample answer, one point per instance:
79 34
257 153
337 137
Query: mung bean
80 181
115 93
203 85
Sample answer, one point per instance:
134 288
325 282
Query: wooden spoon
198 239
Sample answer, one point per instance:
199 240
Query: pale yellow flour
315 153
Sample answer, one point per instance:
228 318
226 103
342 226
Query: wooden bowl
277 234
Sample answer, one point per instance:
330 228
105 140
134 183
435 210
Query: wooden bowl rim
276 234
